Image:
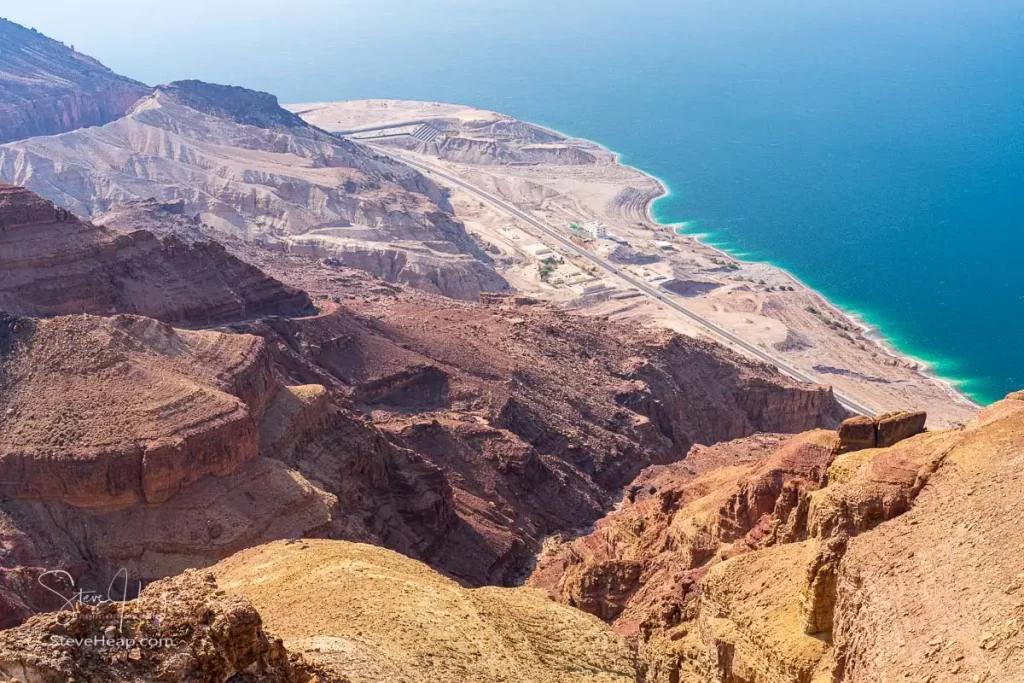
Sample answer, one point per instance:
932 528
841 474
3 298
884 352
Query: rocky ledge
180 629
103 413
383 617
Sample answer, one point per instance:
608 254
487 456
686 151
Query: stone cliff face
795 563
104 413
47 88
53 264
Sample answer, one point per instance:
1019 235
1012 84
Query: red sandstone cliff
534 419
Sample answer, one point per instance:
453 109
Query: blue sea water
875 149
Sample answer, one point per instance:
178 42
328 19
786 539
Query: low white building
596 230
541 251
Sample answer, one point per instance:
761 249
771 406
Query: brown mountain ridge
48 88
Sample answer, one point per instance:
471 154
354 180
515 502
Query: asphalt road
641 286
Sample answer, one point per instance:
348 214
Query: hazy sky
337 49
248 42
161 40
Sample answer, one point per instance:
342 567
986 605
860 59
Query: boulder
882 431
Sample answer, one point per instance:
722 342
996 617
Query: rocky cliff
248 168
48 88
814 560
534 419
128 444
104 413
51 263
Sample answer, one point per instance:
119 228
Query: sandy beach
496 166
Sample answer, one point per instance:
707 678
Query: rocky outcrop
819 597
936 592
179 629
881 431
867 488
431 267
48 88
770 504
371 615
727 500
745 624
241 105
104 413
53 264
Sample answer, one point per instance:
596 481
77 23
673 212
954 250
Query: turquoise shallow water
875 150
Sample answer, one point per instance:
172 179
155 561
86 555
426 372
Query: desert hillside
47 87
247 168
384 617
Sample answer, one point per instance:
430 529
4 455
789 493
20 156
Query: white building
596 230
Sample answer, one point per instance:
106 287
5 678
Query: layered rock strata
53 264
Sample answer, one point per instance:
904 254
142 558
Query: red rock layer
533 419
103 413
53 264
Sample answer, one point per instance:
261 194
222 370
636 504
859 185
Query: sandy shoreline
870 331
559 179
